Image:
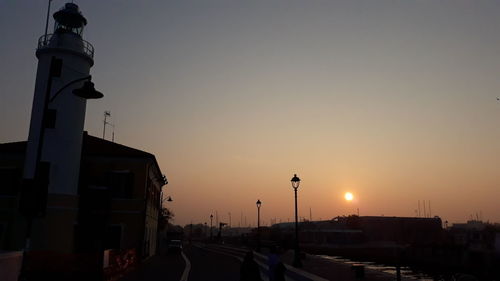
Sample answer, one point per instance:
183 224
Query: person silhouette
272 261
279 271
249 269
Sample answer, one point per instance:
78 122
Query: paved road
206 263
209 266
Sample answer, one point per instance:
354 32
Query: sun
348 196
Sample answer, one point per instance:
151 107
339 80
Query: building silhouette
117 208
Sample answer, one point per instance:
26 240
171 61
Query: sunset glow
254 90
348 196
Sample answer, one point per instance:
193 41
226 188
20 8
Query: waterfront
407 272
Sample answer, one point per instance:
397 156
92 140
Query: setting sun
348 196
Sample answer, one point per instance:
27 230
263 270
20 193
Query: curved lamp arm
69 84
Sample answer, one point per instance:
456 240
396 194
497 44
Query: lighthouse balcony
68 41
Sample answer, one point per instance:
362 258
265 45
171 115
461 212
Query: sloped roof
100 147
92 146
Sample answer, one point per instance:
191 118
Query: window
113 237
10 181
3 227
121 184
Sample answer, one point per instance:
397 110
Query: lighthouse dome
69 19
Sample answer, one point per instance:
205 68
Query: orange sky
392 101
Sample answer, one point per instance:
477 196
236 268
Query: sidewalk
158 268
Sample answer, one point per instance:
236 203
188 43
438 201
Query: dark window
50 118
121 184
113 237
2 231
10 181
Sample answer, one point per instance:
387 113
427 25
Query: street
207 265
201 262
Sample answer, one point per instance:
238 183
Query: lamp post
258 203
296 258
161 215
211 219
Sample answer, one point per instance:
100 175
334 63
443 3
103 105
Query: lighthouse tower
54 146
63 57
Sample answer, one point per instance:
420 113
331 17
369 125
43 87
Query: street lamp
211 219
258 203
162 214
296 259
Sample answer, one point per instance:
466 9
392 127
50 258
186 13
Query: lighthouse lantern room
69 19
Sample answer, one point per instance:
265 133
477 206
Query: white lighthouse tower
54 146
70 58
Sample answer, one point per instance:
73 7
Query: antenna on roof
107 114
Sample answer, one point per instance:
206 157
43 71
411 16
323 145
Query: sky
394 101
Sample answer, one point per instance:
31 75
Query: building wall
61 215
133 211
12 225
152 197
402 229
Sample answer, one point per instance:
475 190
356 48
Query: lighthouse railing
44 41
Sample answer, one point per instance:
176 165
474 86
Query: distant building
369 229
475 235
119 192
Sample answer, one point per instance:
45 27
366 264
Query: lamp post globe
295 181
87 91
296 258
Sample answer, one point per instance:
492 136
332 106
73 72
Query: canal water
406 272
